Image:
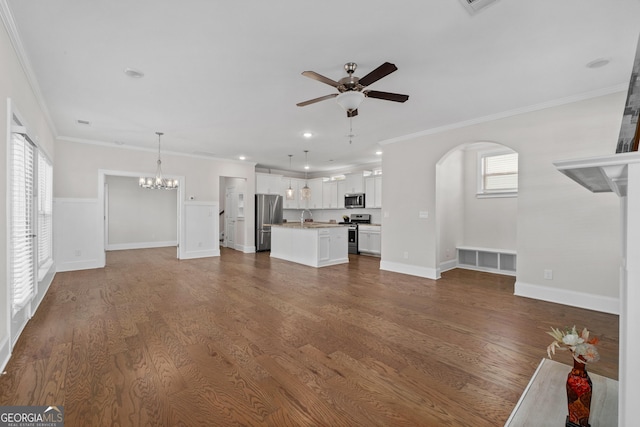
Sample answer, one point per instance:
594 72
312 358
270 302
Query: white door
230 218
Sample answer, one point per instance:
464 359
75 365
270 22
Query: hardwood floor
247 340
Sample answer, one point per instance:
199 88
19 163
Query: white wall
488 222
560 226
450 207
139 217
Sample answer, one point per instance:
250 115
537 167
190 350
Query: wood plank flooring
244 339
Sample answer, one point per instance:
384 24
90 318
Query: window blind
45 212
500 172
21 222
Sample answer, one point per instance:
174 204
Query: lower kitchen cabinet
369 239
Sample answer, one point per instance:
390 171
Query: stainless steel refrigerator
268 211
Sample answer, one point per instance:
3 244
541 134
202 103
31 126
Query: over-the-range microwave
355 200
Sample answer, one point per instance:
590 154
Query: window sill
496 195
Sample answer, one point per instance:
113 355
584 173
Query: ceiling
222 78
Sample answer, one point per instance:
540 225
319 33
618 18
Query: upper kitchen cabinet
373 191
316 194
354 183
267 183
330 195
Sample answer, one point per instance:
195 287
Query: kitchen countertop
307 225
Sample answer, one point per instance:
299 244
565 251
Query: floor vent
475 6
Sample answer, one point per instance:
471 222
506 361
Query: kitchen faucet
302 216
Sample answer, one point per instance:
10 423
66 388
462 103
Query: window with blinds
45 215
22 239
499 174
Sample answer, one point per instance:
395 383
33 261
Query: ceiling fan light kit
350 100
351 89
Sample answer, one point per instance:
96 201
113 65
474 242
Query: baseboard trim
447 265
245 249
141 245
412 270
79 265
201 254
567 297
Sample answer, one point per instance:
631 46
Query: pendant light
305 192
158 182
290 194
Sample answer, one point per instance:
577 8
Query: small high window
498 174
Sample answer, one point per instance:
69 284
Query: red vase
579 389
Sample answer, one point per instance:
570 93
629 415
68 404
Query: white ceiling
223 77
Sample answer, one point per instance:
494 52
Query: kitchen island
313 244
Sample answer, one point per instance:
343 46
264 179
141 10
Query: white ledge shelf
600 174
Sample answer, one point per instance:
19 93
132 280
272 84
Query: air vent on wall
474 6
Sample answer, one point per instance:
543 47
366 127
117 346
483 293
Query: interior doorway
136 218
467 216
233 213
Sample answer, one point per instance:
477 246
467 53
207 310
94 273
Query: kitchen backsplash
326 215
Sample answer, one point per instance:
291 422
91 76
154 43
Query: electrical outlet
405 255
548 274
78 252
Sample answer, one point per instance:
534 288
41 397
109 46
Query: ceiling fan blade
387 96
315 76
352 113
383 70
314 100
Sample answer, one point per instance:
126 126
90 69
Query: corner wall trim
566 297
5 353
412 270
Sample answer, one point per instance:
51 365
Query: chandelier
158 182
290 194
305 192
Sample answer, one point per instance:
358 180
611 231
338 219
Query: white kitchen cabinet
373 191
316 194
296 185
369 239
342 189
267 183
330 195
315 245
354 183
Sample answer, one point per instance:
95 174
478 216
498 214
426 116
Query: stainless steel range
353 230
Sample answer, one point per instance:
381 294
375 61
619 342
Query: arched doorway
467 215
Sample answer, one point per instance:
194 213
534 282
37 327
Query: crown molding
23 58
509 113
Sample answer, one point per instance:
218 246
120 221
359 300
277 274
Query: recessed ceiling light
379 153
306 166
242 158
131 72
307 134
597 63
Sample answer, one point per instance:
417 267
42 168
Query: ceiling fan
351 89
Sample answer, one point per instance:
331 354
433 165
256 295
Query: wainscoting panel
76 234
200 230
